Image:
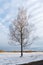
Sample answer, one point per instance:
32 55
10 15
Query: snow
15 59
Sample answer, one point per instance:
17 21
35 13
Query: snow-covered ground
15 59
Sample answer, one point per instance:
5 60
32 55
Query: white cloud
3 35
3 39
1 10
3 29
6 6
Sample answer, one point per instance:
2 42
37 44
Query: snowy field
15 59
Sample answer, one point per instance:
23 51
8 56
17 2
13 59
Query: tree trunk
21 50
21 44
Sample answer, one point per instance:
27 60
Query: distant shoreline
20 51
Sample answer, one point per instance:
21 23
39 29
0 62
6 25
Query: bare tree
20 29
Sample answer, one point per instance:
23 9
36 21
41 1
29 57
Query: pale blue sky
9 10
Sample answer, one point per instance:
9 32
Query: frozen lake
14 58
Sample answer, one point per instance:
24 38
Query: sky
8 12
